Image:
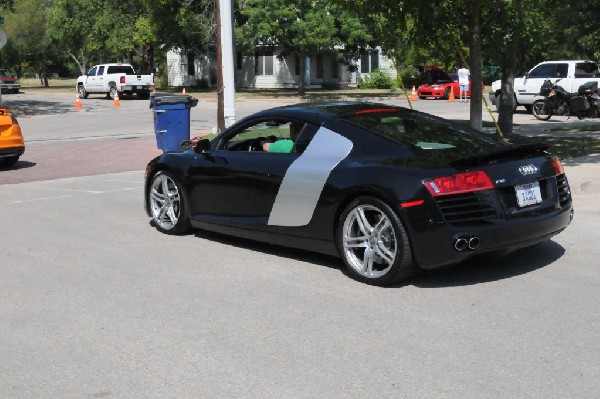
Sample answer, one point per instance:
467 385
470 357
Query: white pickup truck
108 78
572 74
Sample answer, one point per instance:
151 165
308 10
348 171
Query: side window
92 72
252 137
101 71
543 71
562 70
586 70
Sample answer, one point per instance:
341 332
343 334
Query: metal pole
220 97
228 63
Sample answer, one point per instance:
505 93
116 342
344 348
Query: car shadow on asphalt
272 249
488 268
482 269
18 165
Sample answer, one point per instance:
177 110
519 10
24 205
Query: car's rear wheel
9 161
540 111
112 92
82 92
167 204
373 242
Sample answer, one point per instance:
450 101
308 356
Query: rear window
126 69
426 136
586 70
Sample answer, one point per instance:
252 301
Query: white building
265 70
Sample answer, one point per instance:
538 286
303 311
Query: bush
377 80
412 76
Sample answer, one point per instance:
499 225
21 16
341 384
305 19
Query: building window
296 64
335 69
319 66
369 61
264 63
238 60
191 71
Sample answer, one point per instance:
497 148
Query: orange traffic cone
78 102
183 91
413 95
451 97
116 102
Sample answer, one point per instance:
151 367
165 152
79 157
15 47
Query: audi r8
387 189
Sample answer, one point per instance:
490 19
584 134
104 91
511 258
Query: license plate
140 87
528 194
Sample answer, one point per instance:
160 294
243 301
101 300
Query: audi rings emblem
528 170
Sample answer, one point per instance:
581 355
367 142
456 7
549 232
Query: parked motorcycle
557 101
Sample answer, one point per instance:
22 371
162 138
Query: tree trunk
476 64
507 100
301 85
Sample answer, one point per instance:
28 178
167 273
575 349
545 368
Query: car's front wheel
167 204
540 110
82 91
374 243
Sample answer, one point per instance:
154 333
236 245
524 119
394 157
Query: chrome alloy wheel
369 241
165 202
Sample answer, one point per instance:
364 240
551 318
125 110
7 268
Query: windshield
437 76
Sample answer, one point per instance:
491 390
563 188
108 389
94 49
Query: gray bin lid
168 98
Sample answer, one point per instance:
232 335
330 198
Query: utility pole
225 65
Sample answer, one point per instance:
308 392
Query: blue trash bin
171 119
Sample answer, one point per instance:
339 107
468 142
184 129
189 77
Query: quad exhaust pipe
462 243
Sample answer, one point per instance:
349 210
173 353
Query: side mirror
201 146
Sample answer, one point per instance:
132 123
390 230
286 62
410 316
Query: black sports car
388 189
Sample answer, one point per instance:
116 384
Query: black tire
373 242
447 93
10 161
112 92
422 97
540 111
82 91
168 205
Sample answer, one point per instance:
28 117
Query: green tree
98 30
26 26
303 28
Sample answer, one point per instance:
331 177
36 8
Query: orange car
12 145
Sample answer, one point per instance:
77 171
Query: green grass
580 128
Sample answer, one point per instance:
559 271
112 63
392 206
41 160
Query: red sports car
439 83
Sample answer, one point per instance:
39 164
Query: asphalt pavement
95 303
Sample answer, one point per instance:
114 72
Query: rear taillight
558 168
460 183
122 80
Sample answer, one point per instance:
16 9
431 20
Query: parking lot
94 302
